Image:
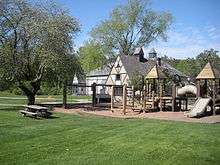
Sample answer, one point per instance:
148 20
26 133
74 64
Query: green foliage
192 66
208 56
36 38
91 56
137 81
46 90
130 26
188 67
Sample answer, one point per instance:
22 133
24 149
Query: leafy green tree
187 66
137 81
35 38
91 56
208 56
132 25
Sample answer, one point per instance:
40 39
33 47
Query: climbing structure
155 81
210 78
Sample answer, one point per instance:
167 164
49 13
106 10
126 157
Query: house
78 86
81 86
98 76
125 67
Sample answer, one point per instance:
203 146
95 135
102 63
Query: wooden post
154 86
213 97
198 88
173 97
186 108
160 94
133 95
147 87
124 98
112 98
149 94
153 99
206 88
65 94
144 98
93 94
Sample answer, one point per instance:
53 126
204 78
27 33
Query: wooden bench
27 113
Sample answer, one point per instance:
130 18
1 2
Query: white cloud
188 42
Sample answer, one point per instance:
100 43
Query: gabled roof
156 73
102 71
133 65
152 51
78 79
209 72
138 51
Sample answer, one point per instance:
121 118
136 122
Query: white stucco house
98 76
78 88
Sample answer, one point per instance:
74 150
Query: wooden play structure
156 97
161 92
208 82
154 90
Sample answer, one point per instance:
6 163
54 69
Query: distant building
98 76
78 88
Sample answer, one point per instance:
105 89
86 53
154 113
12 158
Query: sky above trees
196 24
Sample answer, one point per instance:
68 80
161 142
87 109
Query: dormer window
118 77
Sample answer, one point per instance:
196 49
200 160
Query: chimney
153 54
139 53
159 61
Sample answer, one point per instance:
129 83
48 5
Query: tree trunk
30 92
31 99
65 94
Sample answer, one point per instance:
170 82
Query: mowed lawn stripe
73 139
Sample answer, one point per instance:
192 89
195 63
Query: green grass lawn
73 139
18 100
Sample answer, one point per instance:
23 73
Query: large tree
91 56
132 25
35 38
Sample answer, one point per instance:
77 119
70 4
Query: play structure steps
199 107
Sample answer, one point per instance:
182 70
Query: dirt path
171 116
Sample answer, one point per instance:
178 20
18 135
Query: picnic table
35 111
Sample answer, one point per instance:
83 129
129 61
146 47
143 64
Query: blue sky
196 23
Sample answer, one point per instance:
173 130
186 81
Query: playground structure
160 93
155 95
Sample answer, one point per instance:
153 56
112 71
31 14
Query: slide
199 107
186 90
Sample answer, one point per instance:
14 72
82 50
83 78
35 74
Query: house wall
97 80
77 90
117 69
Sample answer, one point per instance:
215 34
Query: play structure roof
209 72
155 73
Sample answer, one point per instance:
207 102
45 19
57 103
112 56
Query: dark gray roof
133 65
138 50
152 51
102 71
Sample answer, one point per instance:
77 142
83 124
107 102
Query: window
118 77
118 91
